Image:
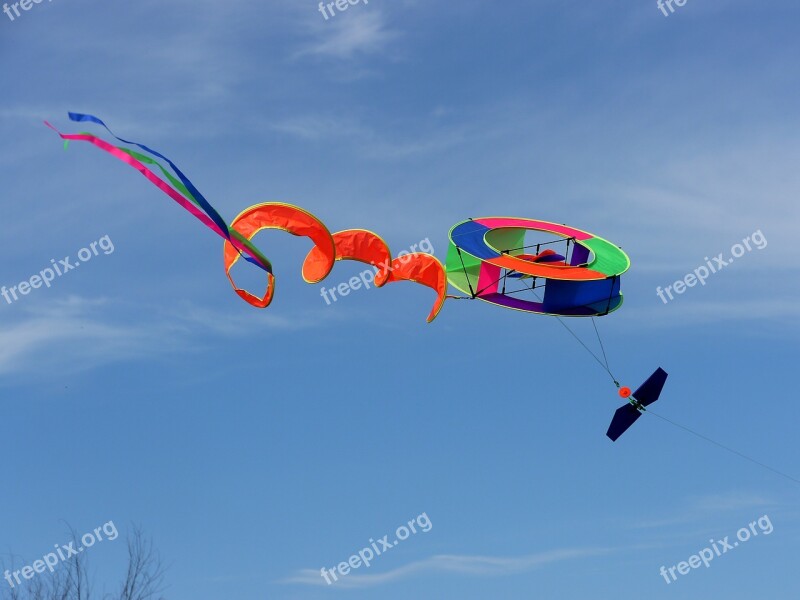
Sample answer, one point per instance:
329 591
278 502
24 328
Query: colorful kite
485 253
487 259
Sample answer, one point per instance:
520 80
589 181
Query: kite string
648 411
602 347
687 429
581 342
693 432
723 446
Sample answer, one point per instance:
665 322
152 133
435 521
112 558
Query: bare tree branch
144 578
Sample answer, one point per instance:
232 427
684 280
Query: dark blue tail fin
650 390
645 395
623 419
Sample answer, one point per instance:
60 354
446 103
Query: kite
485 253
488 258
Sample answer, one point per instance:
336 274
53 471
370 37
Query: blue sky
257 447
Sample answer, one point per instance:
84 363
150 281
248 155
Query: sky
257 447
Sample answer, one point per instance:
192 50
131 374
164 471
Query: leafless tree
144 579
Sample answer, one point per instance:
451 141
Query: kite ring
487 254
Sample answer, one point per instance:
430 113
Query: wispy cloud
485 566
319 127
372 143
68 330
357 32
702 507
81 334
191 318
685 313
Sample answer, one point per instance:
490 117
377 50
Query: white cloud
372 143
67 331
81 334
702 507
192 318
355 32
683 313
463 565
319 127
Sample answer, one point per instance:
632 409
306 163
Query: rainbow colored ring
484 252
